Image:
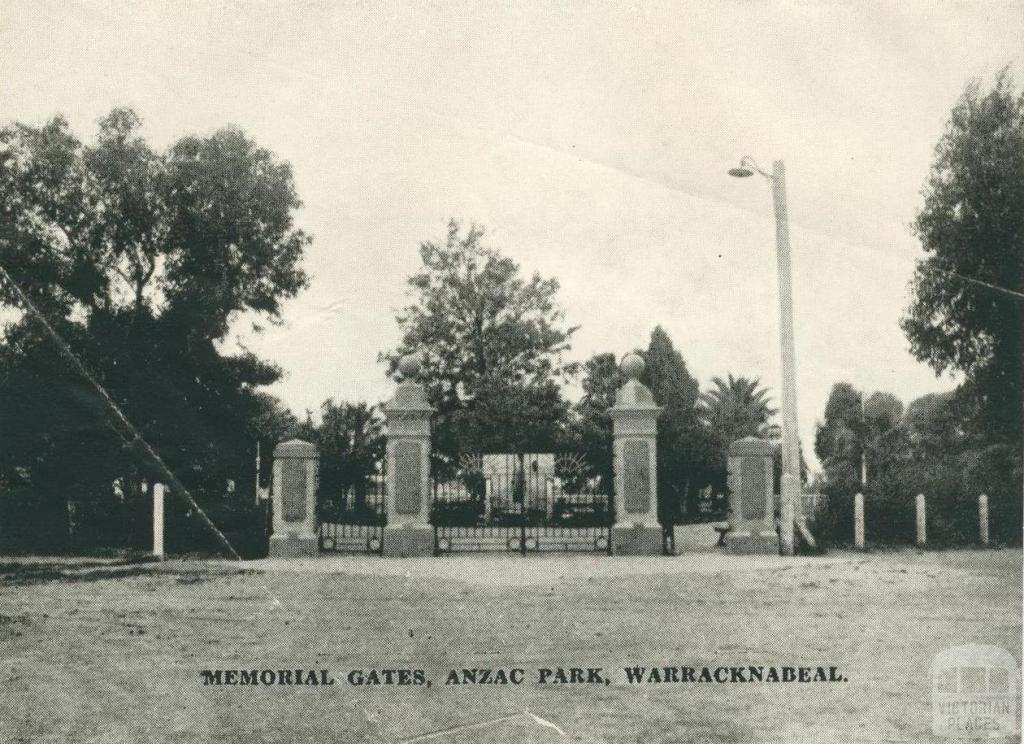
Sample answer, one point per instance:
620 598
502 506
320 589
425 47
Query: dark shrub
457 513
243 522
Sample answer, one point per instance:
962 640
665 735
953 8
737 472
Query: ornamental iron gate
353 521
522 503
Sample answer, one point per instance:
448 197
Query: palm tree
735 408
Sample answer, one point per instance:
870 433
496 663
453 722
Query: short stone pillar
983 518
751 499
158 521
408 531
922 521
858 521
296 468
635 438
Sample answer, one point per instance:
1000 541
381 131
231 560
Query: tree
731 409
352 447
684 448
204 229
965 314
839 438
591 426
735 408
882 415
856 429
929 448
492 346
141 260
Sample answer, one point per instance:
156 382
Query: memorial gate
508 502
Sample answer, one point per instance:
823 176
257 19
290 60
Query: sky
591 140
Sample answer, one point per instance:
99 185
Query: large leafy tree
352 444
140 260
838 438
967 312
929 448
857 432
591 426
492 344
684 448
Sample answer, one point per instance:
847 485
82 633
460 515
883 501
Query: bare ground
96 651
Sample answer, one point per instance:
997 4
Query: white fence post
983 518
858 521
158 520
922 529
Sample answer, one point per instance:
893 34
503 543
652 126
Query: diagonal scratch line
134 437
482 724
544 722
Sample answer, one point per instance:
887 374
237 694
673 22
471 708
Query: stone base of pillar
408 542
637 540
757 543
293 546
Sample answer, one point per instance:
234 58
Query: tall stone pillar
751 499
635 438
296 468
408 531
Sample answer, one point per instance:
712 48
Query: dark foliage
140 260
491 343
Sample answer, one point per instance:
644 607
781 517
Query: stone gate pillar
408 531
296 467
751 497
635 438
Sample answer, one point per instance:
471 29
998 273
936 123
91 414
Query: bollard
158 520
983 518
922 529
858 521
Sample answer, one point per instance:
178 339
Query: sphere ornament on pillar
633 366
633 394
409 365
410 396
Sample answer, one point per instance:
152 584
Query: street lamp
791 506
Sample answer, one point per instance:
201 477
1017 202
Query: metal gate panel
521 504
353 521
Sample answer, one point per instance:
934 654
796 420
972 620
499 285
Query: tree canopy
492 345
967 311
931 448
201 231
591 427
684 446
352 445
140 260
856 428
735 407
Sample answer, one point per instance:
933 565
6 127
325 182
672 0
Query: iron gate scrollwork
353 520
522 503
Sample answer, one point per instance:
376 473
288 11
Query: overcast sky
592 142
